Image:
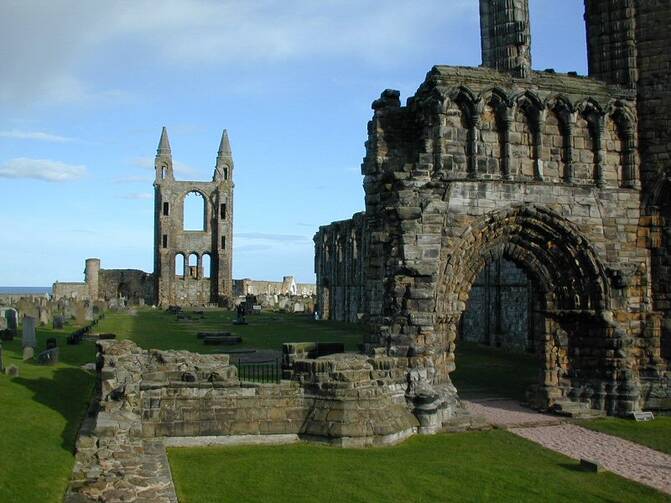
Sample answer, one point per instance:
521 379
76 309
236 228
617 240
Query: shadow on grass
67 392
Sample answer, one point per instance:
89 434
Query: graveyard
47 404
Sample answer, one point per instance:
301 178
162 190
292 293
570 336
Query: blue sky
86 87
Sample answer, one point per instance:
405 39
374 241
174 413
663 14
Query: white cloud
138 196
41 169
70 35
35 135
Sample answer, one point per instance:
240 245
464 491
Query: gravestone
48 357
12 320
28 353
3 323
13 371
29 339
643 416
44 316
59 322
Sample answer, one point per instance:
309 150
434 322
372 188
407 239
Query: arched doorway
578 345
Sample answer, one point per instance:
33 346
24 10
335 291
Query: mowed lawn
40 414
484 372
157 329
487 466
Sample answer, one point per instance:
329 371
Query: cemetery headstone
29 338
59 322
28 353
44 316
12 320
48 357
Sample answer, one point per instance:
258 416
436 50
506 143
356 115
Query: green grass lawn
157 329
654 434
490 466
40 413
483 372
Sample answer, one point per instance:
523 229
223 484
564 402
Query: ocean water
25 289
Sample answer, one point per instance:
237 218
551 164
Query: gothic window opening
207 265
166 209
222 211
193 266
179 265
165 241
195 212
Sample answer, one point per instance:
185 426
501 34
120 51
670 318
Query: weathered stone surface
565 176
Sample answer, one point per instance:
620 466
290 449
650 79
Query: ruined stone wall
340 251
136 286
287 286
62 290
173 243
653 40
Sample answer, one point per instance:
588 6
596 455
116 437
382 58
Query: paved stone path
624 458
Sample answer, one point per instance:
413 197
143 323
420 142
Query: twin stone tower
193 266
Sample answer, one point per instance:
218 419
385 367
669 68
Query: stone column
569 128
599 149
629 174
506 120
506 36
538 146
472 148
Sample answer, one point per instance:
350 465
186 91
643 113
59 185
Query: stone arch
624 147
526 138
191 209
180 264
587 142
466 124
557 139
573 296
494 121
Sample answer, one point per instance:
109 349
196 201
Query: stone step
576 410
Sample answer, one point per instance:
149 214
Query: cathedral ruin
522 209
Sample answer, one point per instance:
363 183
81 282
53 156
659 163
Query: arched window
193 265
195 212
207 265
164 172
179 265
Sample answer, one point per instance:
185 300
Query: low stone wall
146 395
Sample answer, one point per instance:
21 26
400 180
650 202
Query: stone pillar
506 116
599 149
472 147
506 36
629 172
539 126
569 128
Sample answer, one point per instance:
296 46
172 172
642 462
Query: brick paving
624 458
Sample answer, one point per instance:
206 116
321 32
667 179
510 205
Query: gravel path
626 459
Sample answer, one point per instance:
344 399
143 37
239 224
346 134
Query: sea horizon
25 289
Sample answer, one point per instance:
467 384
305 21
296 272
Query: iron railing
260 372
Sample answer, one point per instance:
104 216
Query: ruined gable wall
340 254
134 285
